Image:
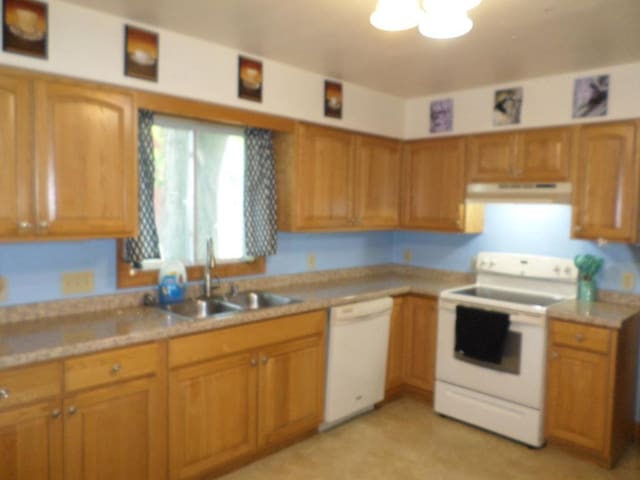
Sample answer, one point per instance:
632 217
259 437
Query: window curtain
260 215
146 244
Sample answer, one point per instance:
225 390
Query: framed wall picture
507 106
25 27
141 53
441 116
591 96
250 79
332 99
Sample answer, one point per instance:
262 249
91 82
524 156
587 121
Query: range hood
519 192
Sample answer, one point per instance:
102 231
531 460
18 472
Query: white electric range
505 396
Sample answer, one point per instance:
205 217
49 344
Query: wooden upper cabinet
85 147
334 180
434 188
541 155
16 159
324 177
491 157
377 182
605 182
544 155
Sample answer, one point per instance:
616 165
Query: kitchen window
198 190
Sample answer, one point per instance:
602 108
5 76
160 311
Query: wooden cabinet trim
205 346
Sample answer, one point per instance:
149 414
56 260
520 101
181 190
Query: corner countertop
50 338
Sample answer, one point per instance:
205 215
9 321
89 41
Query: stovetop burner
508 296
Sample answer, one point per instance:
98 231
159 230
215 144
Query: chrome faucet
209 265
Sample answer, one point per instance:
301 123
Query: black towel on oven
481 334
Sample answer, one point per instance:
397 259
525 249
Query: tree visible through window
199 189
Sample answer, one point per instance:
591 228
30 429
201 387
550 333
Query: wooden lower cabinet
31 442
258 389
412 346
591 379
212 414
291 393
420 342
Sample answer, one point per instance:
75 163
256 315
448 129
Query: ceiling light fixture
439 19
396 15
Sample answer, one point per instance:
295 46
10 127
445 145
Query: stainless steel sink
253 300
202 307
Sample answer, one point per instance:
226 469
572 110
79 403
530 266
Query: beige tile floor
406 440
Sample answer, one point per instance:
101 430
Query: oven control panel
530 266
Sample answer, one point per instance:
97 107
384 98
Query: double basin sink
217 306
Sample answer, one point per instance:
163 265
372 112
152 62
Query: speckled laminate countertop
601 314
62 336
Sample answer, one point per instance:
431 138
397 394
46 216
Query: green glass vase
587 290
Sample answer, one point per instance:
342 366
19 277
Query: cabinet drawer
580 336
28 384
111 366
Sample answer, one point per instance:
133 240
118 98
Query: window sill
128 278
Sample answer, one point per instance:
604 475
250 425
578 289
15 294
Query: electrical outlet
4 289
628 280
407 255
311 261
77 282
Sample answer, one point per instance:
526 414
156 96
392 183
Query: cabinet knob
23 226
116 367
577 228
4 394
56 413
554 355
72 410
43 225
254 362
264 359
579 337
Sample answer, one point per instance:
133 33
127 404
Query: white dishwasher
356 359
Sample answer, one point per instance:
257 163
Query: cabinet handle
254 362
4 394
577 228
554 355
24 226
116 368
72 410
56 413
43 225
265 359
579 337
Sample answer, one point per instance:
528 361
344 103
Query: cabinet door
377 183
491 158
291 396
86 164
420 342
212 414
544 155
325 178
16 158
395 356
606 183
31 443
577 386
434 185
115 433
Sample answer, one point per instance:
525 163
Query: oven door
518 378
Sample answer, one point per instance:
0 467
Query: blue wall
33 269
536 229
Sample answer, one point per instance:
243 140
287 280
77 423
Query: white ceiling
511 39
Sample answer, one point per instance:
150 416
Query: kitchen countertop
51 338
